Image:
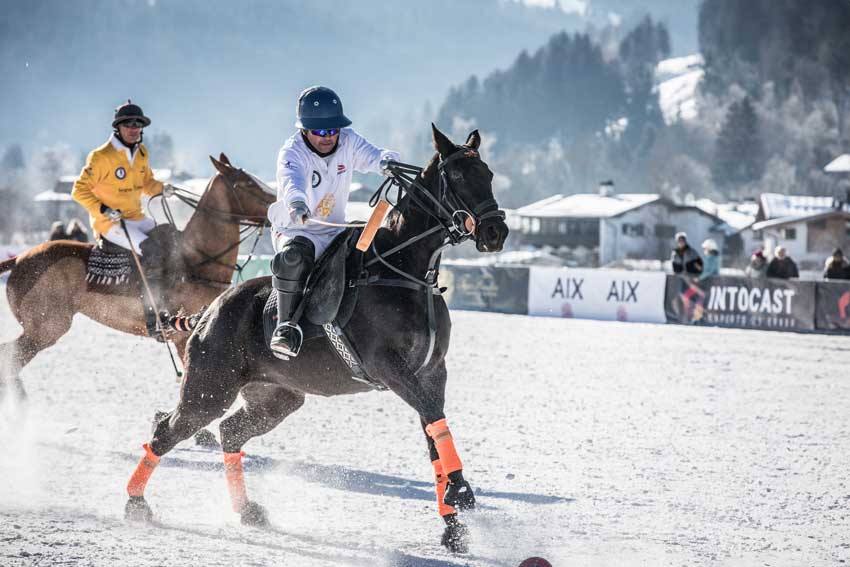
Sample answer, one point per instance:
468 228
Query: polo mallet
151 298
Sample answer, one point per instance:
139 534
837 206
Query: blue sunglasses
324 133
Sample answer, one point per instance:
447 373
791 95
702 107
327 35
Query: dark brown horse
47 285
400 327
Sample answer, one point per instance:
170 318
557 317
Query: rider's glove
385 166
113 215
167 190
299 212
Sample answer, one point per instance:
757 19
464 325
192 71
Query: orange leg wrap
440 482
143 472
439 432
235 480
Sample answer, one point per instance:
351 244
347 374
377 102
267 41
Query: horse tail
7 265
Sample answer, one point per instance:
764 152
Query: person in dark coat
685 260
758 265
782 266
837 267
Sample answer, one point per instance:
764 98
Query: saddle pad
110 267
330 331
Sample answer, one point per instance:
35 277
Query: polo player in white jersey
314 170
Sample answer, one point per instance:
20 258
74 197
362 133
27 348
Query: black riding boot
291 268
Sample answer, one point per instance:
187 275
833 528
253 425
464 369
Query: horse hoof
254 515
206 438
455 536
459 495
137 510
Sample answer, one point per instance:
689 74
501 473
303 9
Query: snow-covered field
589 443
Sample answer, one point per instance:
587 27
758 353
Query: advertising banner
485 288
832 311
742 302
617 295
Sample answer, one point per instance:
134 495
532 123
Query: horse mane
395 220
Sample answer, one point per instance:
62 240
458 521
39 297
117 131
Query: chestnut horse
47 284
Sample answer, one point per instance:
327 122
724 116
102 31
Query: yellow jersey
108 178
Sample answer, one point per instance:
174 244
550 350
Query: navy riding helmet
320 108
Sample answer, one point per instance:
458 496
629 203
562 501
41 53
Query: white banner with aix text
616 295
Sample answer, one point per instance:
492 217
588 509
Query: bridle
451 213
249 225
452 218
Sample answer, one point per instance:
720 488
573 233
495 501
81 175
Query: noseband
451 218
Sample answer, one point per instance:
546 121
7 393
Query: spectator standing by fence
782 266
836 267
685 260
758 265
711 259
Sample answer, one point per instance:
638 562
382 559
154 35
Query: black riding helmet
129 111
319 108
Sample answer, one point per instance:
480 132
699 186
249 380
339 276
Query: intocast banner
833 307
741 302
616 295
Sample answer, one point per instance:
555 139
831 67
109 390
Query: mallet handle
373 225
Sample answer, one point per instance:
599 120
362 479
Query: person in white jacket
314 170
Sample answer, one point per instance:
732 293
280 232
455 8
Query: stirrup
280 344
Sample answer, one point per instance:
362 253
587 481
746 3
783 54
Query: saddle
112 265
329 302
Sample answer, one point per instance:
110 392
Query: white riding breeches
320 240
138 230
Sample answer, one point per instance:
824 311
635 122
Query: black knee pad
293 264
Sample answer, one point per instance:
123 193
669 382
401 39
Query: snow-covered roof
776 205
737 215
783 221
586 205
677 83
47 196
841 164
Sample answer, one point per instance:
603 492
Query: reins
452 223
250 225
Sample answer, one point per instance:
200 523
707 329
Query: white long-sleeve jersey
321 182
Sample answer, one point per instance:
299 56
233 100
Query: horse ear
223 159
442 144
218 165
474 140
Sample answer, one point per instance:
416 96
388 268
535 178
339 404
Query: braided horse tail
185 323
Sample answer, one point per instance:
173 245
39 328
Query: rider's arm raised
367 158
94 171
151 186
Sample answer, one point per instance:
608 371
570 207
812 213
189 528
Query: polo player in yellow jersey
110 188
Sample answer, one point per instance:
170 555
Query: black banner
832 312
741 302
486 288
